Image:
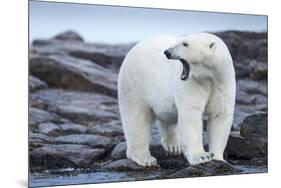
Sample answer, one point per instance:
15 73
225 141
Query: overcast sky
122 24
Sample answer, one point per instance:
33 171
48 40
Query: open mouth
185 70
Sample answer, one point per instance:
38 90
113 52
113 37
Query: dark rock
246 148
122 165
254 125
255 162
260 72
245 45
36 84
69 36
156 149
173 163
206 169
80 107
72 73
61 156
87 139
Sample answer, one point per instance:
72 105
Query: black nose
167 53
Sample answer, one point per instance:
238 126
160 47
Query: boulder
74 74
254 126
69 36
242 148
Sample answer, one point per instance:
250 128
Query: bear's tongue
185 70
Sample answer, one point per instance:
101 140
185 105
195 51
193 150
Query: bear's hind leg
137 122
170 138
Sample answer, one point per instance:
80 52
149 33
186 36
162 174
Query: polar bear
174 82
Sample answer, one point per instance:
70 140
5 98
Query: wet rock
72 73
239 147
173 163
80 107
87 139
122 165
255 125
50 129
157 149
206 169
60 156
36 84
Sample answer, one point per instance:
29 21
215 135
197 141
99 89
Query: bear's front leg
218 131
191 130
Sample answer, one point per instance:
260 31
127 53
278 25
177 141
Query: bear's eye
185 44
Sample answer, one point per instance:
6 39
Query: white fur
150 90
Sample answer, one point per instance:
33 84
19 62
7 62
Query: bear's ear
211 45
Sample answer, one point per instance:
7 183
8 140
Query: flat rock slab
65 155
112 128
36 84
122 165
87 139
206 169
80 107
37 116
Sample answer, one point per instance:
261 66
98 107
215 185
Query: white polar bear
174 82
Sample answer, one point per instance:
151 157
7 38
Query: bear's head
203 53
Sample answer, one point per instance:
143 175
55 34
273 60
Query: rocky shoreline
74 120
